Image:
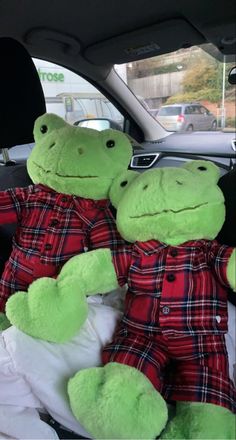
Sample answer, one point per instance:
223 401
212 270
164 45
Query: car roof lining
145 42
89 37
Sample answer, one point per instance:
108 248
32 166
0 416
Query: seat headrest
22 98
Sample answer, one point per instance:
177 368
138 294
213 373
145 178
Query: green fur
201 421
172 205
95 269
61 304
120 185
231 270
61 307
76 160
117 401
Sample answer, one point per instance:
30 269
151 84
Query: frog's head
76 160
172 205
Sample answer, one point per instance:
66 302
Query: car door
196 118
205 120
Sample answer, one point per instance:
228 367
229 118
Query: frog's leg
203 421
117 402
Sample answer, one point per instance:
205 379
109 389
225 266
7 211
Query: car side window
204 111
72 97
196 110
187 111
190 110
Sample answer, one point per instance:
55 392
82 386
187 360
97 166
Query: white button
218 318
165 310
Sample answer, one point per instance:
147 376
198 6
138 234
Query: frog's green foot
53 310
201 421
117 402
4 322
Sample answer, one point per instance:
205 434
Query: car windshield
191 77
169 111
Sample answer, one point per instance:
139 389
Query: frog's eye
110 143
43 128
207 170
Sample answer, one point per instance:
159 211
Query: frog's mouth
64 176
165 211
75 177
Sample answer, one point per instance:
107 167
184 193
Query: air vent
233 144
144 160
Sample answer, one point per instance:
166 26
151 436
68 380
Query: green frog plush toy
169 346
66 211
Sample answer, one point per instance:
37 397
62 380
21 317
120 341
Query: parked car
186 117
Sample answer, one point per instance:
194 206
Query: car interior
28 92
89 39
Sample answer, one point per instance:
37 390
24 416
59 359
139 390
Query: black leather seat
227 235
227 183
22 101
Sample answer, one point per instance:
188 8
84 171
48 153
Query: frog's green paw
198 421
117 402
52 310
4 322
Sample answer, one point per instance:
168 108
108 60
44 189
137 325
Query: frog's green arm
55 309
231 270
94 270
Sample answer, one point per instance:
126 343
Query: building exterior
71 96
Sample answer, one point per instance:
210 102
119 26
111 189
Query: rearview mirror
98 124
232 76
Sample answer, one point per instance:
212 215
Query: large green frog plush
169 346
67 210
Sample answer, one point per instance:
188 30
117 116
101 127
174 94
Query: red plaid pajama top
52 228
175 319
178 289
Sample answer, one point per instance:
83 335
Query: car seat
227 235
22 102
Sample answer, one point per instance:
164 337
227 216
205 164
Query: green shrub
230 123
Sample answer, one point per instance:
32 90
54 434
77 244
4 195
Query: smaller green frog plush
66 211
169 346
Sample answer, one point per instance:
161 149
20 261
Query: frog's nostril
80 150
52 145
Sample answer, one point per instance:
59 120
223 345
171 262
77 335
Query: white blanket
34 373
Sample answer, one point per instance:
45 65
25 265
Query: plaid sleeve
122 260
10 204
104 233
218 257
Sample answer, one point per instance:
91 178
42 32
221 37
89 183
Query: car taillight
180 118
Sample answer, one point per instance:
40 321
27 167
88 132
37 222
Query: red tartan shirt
53 227
174 289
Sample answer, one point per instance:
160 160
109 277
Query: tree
202 81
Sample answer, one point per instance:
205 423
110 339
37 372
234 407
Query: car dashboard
173 150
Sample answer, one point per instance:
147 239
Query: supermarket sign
50 76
